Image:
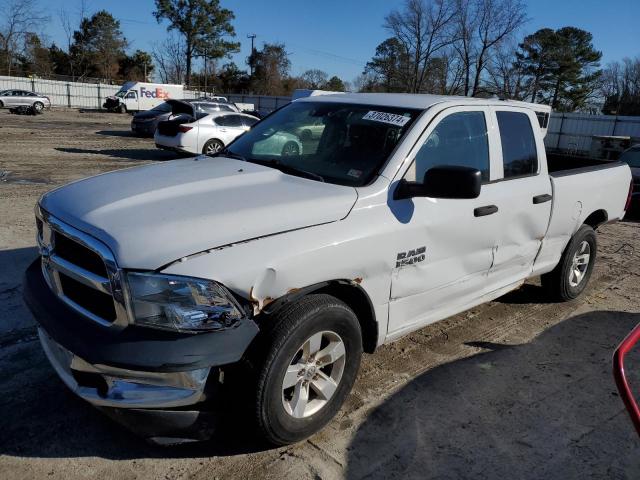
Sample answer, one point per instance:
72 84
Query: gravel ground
517 388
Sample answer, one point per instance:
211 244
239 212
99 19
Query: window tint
459 139
230 121
222 121
131 95
249 121
519 154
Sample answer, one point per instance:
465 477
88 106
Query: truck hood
152 215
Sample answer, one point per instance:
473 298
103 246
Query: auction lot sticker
384 117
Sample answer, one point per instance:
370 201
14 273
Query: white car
208 133
24 98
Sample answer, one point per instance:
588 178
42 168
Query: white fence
92 95
574 131
63 94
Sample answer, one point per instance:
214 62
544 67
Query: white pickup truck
161 287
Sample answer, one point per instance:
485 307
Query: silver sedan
18 98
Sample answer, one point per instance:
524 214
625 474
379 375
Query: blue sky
340 36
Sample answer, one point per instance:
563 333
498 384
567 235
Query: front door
446 246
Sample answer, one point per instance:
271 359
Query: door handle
542 198
486 210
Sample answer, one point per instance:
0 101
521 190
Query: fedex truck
139 96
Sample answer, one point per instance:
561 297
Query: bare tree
506 77
497 20
169 57
314 78
481 26
422 27
68 26
19 18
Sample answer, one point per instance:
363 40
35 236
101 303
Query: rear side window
232 120
459 139
519 154
249 122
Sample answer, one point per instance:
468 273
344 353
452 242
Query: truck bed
560 164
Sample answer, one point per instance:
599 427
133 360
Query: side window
249 122
459 139
234 121
131 95
221 121
519 154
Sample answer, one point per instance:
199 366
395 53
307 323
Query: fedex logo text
157 93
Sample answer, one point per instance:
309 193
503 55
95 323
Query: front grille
78 254
98 303
81 271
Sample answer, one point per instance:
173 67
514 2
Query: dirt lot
518 388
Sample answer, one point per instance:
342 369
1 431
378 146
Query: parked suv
164 286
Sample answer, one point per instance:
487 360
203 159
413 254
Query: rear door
8 98
230 127
524 195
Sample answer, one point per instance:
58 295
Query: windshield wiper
284 168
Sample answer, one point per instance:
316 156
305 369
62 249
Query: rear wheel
571 276
38 107
212 147
310 363
1 104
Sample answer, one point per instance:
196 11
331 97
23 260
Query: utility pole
205 72
252 36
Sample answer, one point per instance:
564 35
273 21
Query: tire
122 109
281 414
1 104
306 135
38 107
212 146
571 276
290 149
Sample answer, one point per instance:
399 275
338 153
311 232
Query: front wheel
122 108
310 365
570 277
38 107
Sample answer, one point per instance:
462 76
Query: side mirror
443 182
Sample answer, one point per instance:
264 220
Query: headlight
181 303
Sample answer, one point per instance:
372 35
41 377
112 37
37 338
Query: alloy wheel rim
38 106
580 264
213 147
313 374
291 149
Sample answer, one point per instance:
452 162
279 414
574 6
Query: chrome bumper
122 388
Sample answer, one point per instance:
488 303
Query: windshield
121 94
631 157
163 107
338 143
